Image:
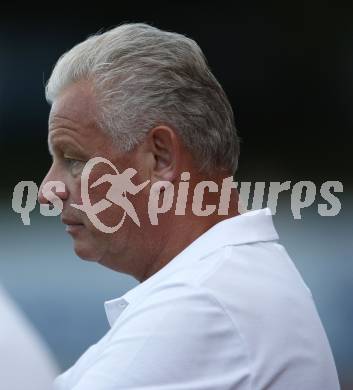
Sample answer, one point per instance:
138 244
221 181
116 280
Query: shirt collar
250 227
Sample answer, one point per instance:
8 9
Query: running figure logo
121 184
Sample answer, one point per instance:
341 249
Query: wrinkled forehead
76 105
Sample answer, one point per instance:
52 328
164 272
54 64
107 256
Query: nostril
52 191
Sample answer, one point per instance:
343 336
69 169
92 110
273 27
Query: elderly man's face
74 138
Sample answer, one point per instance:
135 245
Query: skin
73 138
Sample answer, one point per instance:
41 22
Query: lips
72 226
68 221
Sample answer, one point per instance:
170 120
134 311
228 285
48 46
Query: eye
75 166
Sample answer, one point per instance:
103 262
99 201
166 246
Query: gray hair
142 77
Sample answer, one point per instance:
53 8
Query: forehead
76 106
73 121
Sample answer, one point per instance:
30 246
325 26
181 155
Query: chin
86 252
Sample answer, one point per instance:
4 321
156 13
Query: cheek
112 216
75 192
94 194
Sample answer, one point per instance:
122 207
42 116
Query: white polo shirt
229 312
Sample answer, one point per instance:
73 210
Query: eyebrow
63 145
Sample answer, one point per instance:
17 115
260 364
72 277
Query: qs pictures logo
162 194
120 185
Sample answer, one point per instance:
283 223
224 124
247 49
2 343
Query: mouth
72 226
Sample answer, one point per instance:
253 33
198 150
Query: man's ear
164 145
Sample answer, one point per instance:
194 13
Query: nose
52 186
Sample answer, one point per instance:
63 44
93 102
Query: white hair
142 77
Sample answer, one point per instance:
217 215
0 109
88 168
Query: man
220 304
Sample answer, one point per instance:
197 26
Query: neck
175 233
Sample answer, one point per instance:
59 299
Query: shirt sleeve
179 339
